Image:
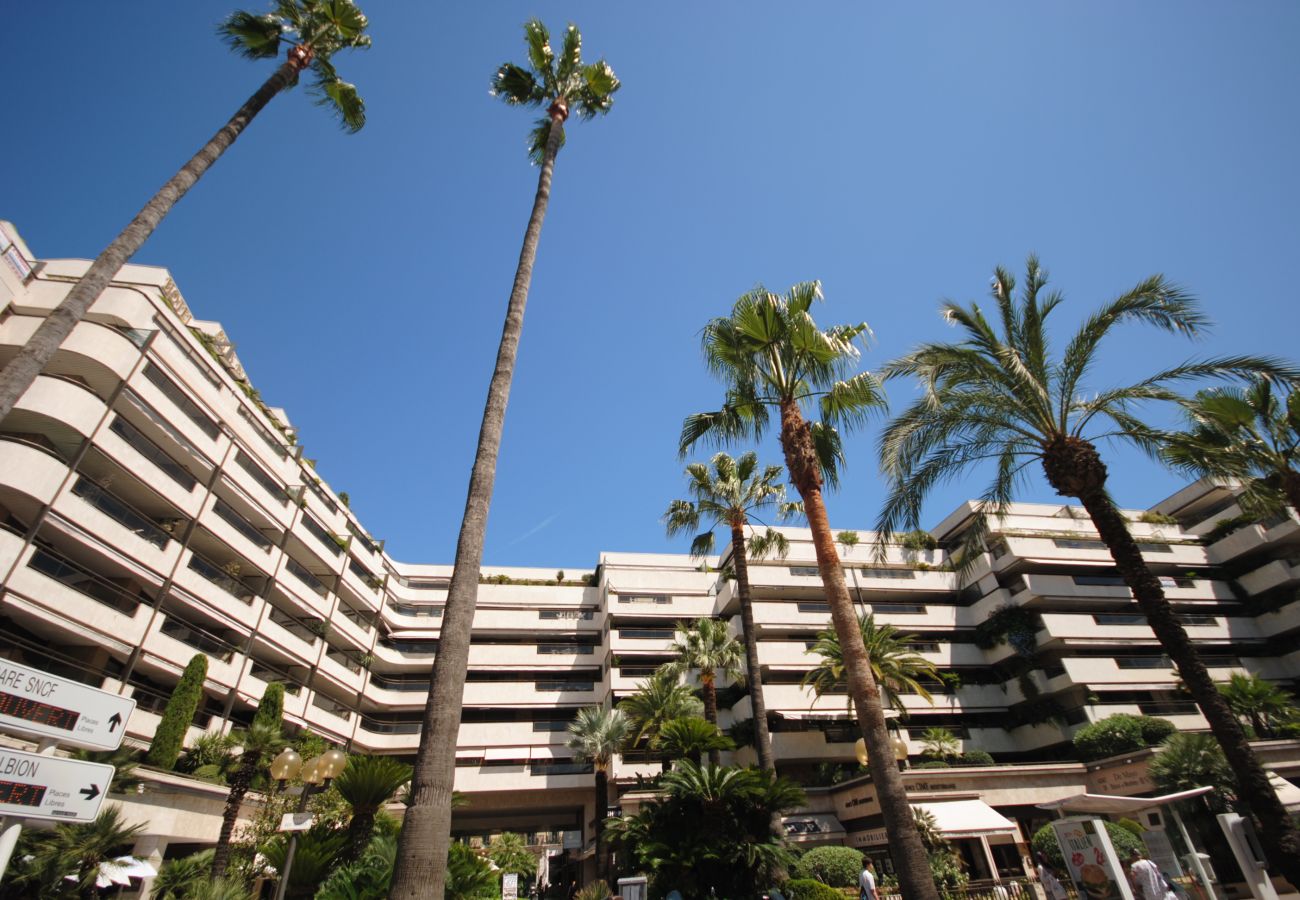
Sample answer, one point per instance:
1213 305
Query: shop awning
1106 803
967 818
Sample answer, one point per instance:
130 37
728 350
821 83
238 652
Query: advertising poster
1091 860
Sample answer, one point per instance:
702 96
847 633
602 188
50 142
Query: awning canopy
1106 803
966 818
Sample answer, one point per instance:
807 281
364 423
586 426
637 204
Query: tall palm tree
729 492
367 783
1251 434
896 668
705 647
690 737
1260 702
595 735
770 354
659 699
1001 394
315 31
260 742
558 84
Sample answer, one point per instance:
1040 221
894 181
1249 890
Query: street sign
50 706
33 786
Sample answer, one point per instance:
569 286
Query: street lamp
900 750
317 772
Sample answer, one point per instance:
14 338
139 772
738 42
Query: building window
814 607
881 572
1119 619
805 571
1078 544
659 599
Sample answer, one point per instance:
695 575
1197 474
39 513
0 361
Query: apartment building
152 506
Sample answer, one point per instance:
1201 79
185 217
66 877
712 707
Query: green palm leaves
561 83
896 667
318 29
1251 434
727 491
596 734
770 353
705 646
1000 394
659 699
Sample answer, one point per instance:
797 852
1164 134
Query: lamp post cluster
317 773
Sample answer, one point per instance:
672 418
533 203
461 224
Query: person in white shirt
1146 877
1047 878
867 883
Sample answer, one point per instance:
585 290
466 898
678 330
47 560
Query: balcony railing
300 572
379 726
231 517
159 379
199 639
96 587
152 452
326 539
222 579
269 674
320 701
258 474
262 432
423 611
399 684
118 510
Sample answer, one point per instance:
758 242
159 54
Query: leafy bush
836 866
933 764
975 758
176 718
1014 624
1120 733
1155 518
1131 825
1155 730
1045 842
1224 527
918 540
810 889
270 709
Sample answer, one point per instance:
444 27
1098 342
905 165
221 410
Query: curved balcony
63 399
29 469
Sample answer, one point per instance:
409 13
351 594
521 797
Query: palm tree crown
596 734
705 646
317 29
1003 396
770 353
897 668
1261 703
561 83
729 492
658 700
1251 434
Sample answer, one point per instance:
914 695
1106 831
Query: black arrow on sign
113 721
90 793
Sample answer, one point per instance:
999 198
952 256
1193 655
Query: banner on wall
1091 860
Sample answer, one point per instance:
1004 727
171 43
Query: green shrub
810 889
918 540
1132 826
1156 518
836 866
933 764
975 758
1120 733
1155 730
1224 527
165 748
1045 842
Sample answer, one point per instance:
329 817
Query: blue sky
897 152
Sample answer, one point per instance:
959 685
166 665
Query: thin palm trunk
361 830
426 829
239 783
709 690
1075 468
915 880
602 801
762 741
40 348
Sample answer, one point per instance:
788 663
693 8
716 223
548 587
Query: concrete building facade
152 506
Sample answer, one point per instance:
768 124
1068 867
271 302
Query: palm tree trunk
239 783
421 867
762 742
598 815
22 370
1078 466
710 692
915 880
360 830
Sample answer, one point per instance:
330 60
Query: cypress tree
165 748
270 709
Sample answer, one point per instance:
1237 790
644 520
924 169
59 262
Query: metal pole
1192 851
293 846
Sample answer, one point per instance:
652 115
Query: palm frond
251 36
338 96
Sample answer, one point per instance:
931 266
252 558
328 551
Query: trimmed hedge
836 866
1120 733
810 889
975 758
270 709
1045 842
165 748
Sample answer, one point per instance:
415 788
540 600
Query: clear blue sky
896 152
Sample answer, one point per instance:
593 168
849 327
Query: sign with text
1091 860
510 886
37 703
296 821
33 786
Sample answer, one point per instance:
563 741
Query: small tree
165 748
270 709
1120 733
836 866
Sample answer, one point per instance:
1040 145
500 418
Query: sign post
1090 858
42 705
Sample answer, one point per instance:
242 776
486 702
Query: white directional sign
38 703
33 786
